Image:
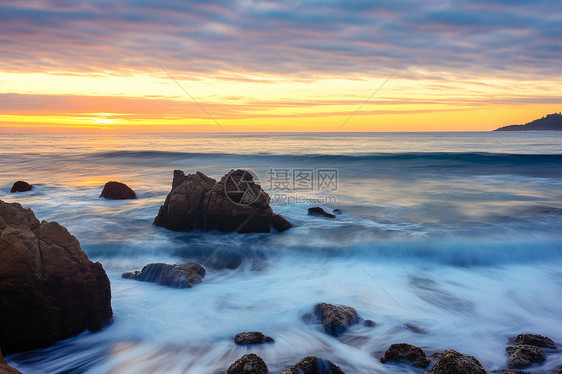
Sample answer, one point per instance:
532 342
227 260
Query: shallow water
457 233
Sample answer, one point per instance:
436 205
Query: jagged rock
406 354
117 191
535 340
369 323
313 365
335 319
523 355
235 203
317 211
21 186
453 362
557 370
49 289
253 337
178 276
248 364
5 368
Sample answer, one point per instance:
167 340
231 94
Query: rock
557 370
248 364
337 212
178 276
313 365
49 290
21 186
253 337
369 323
335 318
117 191
523 355
309 318
235 203
406 354
535 340
317 211
510 371
453 362
5 368
415 329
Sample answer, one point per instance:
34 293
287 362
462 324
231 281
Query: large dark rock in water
235 203
335 319
524 355
535 340
406 354
314 365
178 276
5 369
117 191
248 364
49 290
21 186
253 337
453 362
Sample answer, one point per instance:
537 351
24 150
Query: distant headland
549 122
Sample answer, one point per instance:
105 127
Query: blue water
457 233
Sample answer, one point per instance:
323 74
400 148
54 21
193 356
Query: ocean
457 234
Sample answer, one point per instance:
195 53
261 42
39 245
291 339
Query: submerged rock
253 337
335 319
49 289
369 323
415 329
235 203
406 354
453 362
21 186
535 340
313 365
117 191
5 368
337 212
178 276
524 355
317 211
248 364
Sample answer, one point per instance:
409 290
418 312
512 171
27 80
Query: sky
244 65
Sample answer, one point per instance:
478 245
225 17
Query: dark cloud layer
500 37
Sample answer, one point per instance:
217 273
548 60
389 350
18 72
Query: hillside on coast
549 122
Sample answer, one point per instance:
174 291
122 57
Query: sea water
457 234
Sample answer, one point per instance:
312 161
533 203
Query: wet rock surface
49 289
453 362
248 364
117 191
406 354
178 276
317 211
524 355
313 365
253 337
534 340
335 319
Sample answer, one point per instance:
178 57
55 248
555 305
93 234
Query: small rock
337 212
535 340
415 329
248 364
279 223
117 191
253 337
317 211
406 354
21 186
369 323
178 276
313 365
335 318
5 368
523 355
453 362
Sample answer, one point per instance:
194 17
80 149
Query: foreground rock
178 276
335 319
535 340
235 203
313 365
453 362
253 337
406 354
21 186
524 355
49 290
248 364
317 211
558 370
117 191
5 369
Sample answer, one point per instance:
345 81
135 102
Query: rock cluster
527 350
49 288
178 276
